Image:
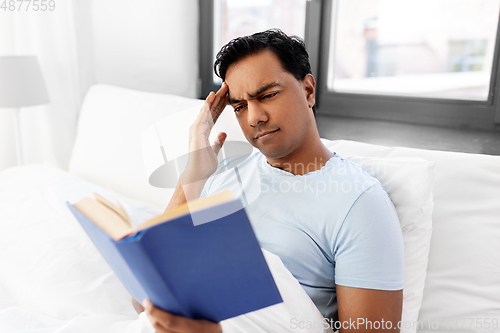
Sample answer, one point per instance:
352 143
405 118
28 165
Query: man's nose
256 114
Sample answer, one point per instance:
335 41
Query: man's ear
309 85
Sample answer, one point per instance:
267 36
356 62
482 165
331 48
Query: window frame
415 110
206 45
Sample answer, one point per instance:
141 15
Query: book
200 261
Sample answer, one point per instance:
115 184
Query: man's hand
165 322
137 306
202 161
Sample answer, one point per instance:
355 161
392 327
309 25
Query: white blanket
52 279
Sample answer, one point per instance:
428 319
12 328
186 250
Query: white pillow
409 183
107 147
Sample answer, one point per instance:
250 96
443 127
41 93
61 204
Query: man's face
273 108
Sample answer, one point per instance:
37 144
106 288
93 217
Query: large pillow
107 147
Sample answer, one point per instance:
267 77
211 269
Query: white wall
149 45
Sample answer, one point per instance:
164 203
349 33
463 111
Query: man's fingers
223 89
220 108
210 98
209 113
164 321
221 93
215 102
217 145
204 116
137 306
220 102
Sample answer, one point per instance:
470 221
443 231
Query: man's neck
304 161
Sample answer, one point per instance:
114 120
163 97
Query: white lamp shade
21 82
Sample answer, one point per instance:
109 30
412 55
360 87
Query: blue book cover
213 270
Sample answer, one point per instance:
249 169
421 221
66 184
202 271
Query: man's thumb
217 145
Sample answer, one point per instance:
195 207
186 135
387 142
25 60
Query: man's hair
290 50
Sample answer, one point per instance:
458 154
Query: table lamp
21 84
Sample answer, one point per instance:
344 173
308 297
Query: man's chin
272 152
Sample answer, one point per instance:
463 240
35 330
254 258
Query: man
332 225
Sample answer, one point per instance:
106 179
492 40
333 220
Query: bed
54 280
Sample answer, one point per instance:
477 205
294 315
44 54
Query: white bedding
52 279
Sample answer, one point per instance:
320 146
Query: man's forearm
184 192
178 198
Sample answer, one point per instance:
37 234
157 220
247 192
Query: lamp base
17 120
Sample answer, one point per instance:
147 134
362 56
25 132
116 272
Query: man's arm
370 255
202 160
382 308
202 163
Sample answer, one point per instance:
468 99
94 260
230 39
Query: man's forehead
250 74
251 90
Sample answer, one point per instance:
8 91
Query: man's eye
269 95
237 108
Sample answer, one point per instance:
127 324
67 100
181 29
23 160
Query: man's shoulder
341 169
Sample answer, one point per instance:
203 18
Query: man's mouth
263 134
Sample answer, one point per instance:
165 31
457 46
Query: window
428 61
428 48
469 55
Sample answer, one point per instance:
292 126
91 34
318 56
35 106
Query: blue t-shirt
331 226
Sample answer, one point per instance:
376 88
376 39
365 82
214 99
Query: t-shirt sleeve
368 250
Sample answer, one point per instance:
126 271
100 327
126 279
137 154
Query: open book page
104 217
117 209
114 221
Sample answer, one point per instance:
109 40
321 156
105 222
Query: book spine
152 283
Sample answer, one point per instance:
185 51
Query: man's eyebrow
259 91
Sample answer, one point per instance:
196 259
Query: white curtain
48 131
